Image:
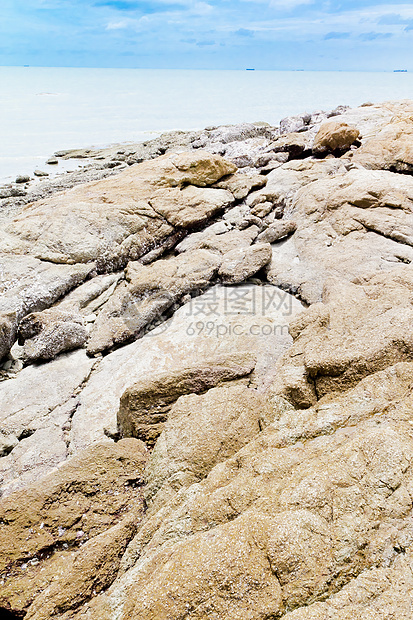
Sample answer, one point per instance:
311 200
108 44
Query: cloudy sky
213 34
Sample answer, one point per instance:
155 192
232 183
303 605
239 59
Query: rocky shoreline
206 363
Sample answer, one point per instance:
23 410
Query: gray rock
240 264
29 285
276 231
48 333
223 321
31 402
151 290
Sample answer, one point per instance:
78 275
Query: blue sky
210 34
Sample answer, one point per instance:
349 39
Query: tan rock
200 432
86 572
358 330
111 221
145 406
221 242
335 136
322 510
240 185
190 205
391 147
349 227
76 503
377 594
276 231
284 182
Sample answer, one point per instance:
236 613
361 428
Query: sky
366 35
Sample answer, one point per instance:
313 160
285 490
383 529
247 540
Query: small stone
40 173
22 178
52 161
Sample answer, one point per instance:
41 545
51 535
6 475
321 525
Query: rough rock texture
36 408
280 483
70 520
224 321
348 226
111 221
45 334
356 331
239 265
200 432
27 285
148 293
144 406
335 136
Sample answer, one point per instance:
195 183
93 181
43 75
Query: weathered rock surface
28 285
149 292
335 136
45 334
348 226
145 406
280 484
358 330
223 322
112 221
35 412
309 516
239 265
91 500
200 432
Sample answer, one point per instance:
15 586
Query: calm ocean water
47 109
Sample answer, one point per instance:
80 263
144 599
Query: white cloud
120 25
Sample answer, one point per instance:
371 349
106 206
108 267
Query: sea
44 109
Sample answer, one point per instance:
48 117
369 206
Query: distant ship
249 69
400 71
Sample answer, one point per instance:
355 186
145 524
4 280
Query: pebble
52 161
40 173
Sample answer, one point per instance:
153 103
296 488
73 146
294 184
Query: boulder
276 231
348 226
391 147
239 265
144 406
335 136
45 334
240 185
29 285
359 329
220 240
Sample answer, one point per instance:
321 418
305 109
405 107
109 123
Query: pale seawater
43 110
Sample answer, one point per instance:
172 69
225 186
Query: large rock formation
249 317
